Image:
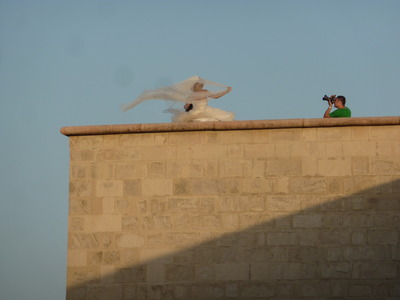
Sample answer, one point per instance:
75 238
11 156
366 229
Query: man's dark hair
342 99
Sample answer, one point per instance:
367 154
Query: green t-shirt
341 113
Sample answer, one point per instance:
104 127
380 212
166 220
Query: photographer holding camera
339 102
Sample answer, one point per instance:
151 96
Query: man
341 112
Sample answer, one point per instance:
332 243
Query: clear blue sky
65 63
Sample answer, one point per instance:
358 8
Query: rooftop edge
231 125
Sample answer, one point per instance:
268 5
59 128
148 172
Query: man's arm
327 112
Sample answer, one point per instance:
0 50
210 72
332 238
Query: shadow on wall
347 248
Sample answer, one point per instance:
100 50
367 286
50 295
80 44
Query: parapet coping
231 125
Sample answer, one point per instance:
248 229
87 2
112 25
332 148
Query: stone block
215 186
307 221
208 151
155 273
308 236
185 169
156 222
156 187
385 166
83 275
183 204
230 221
360 165
286 203
234 168
386 148
359 148
129 240
334 149
206 291
104 170
131 171
284 167
130 223
285 149
102 223
111 140
81 188
309 166
105 292
136 274
75 224
109 188
82 241
383 237
129 256
90 141
242 239
232 271
183 152
157 169
309 203
367 253
211 168
257 185
318 149
79 155
82 171
158 153
282 238
332 133
358 238
284 135
256 221
236 137
144 139
307 185
384 132
80 206
336 270
181 239
337 166
235 151
185 138
112 257
360 133
335 237
257 290
108 206
77 258
309 134
258 151
211 137
314 289
265 271
375 270
361 290
113 155
179 273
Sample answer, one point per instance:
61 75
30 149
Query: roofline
231 125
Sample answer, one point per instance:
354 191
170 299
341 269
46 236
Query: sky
72 63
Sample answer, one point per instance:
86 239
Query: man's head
340 101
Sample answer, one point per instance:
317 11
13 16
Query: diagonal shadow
345 248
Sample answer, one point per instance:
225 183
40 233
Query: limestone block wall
273 209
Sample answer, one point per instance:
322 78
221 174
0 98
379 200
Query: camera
331 99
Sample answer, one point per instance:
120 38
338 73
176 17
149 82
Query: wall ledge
232 125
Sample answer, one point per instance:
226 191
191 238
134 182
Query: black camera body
330 99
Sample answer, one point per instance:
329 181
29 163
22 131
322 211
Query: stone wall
281 209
